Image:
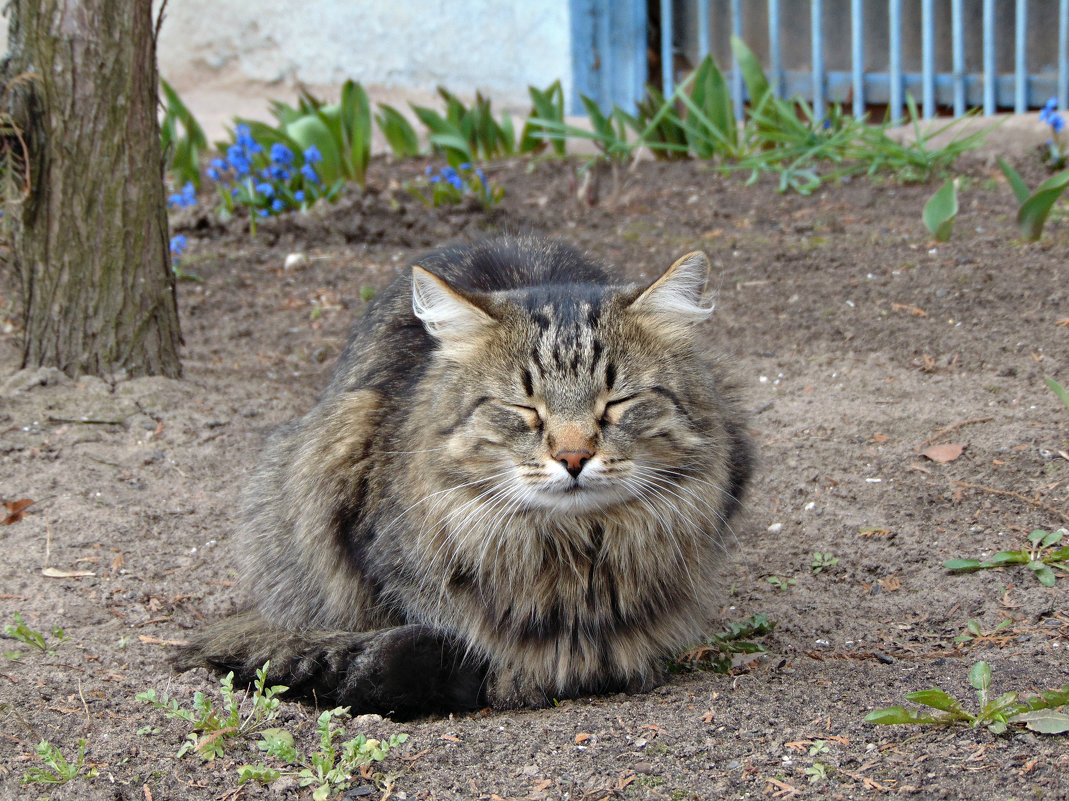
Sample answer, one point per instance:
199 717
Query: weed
1059 390
1040 555
58 770
719 651
35 639
821 561
974 634
464 134
213 727
399 133
941 210
781 583
327 770
1038 712
1034 206
817 772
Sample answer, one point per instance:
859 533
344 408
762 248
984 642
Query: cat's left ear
676 300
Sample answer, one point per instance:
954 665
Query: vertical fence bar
816 16
990 97
775 53
857 47
1020 58
703 29
894 47
667 76
1063 54
736 73
957 36
928 58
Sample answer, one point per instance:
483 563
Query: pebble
645 768
295 261
775 528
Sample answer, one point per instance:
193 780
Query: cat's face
568 398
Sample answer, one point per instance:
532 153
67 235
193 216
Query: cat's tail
403 671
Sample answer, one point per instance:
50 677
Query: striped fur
516 487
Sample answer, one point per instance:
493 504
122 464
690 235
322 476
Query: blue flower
280 154
434 179
464 166
1057 122
309 173
277 173
244 139
456 181
178 244
299 196
265 189
237 159
312 155
277 205
1048 110
262 212
219 164
214 174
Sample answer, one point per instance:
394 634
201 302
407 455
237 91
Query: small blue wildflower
435 179
429 170
219 164
265 189
187 197
299 196
465 166
277 205
235 156
178 244
312 155
1057 122
214 174
244 139
448 172
262 212
456 182
309 173
277 173
280 154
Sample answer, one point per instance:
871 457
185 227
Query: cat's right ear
447 315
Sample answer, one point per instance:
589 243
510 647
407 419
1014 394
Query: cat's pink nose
573 461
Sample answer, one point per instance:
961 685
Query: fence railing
950 55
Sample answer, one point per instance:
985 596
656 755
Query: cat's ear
447 315
676 300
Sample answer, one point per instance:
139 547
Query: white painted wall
498 46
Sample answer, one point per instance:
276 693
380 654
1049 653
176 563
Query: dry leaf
55 572
15 511
914 310
943 453
878 438
582 737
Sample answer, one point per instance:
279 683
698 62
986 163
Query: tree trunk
90 243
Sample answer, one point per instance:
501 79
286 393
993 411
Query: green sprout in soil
1059 390
1040 555
1044 713
781 583
822 561
57 769
974 634
35 639
720 651
328 770
212 727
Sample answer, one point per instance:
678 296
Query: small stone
367 720
295 261
645 768
775 528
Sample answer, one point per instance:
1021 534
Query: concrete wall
498 46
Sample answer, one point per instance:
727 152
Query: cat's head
569 397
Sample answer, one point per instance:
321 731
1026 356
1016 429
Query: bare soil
863 342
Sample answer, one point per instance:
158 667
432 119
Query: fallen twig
954 427
994 491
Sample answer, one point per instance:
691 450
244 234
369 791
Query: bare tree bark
90 244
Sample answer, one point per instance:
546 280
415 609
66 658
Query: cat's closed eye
529 414
614 409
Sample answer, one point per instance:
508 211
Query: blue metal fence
977 45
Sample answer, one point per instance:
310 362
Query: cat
516 487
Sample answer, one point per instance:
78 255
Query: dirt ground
862 343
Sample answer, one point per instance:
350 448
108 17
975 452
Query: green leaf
941 210
964 565
1017 184
935 698
308 131
1032 215
892 714
752 74
980 676
1059 390
1043 573
1009 558
1044 721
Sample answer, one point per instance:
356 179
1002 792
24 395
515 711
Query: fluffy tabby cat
515 488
